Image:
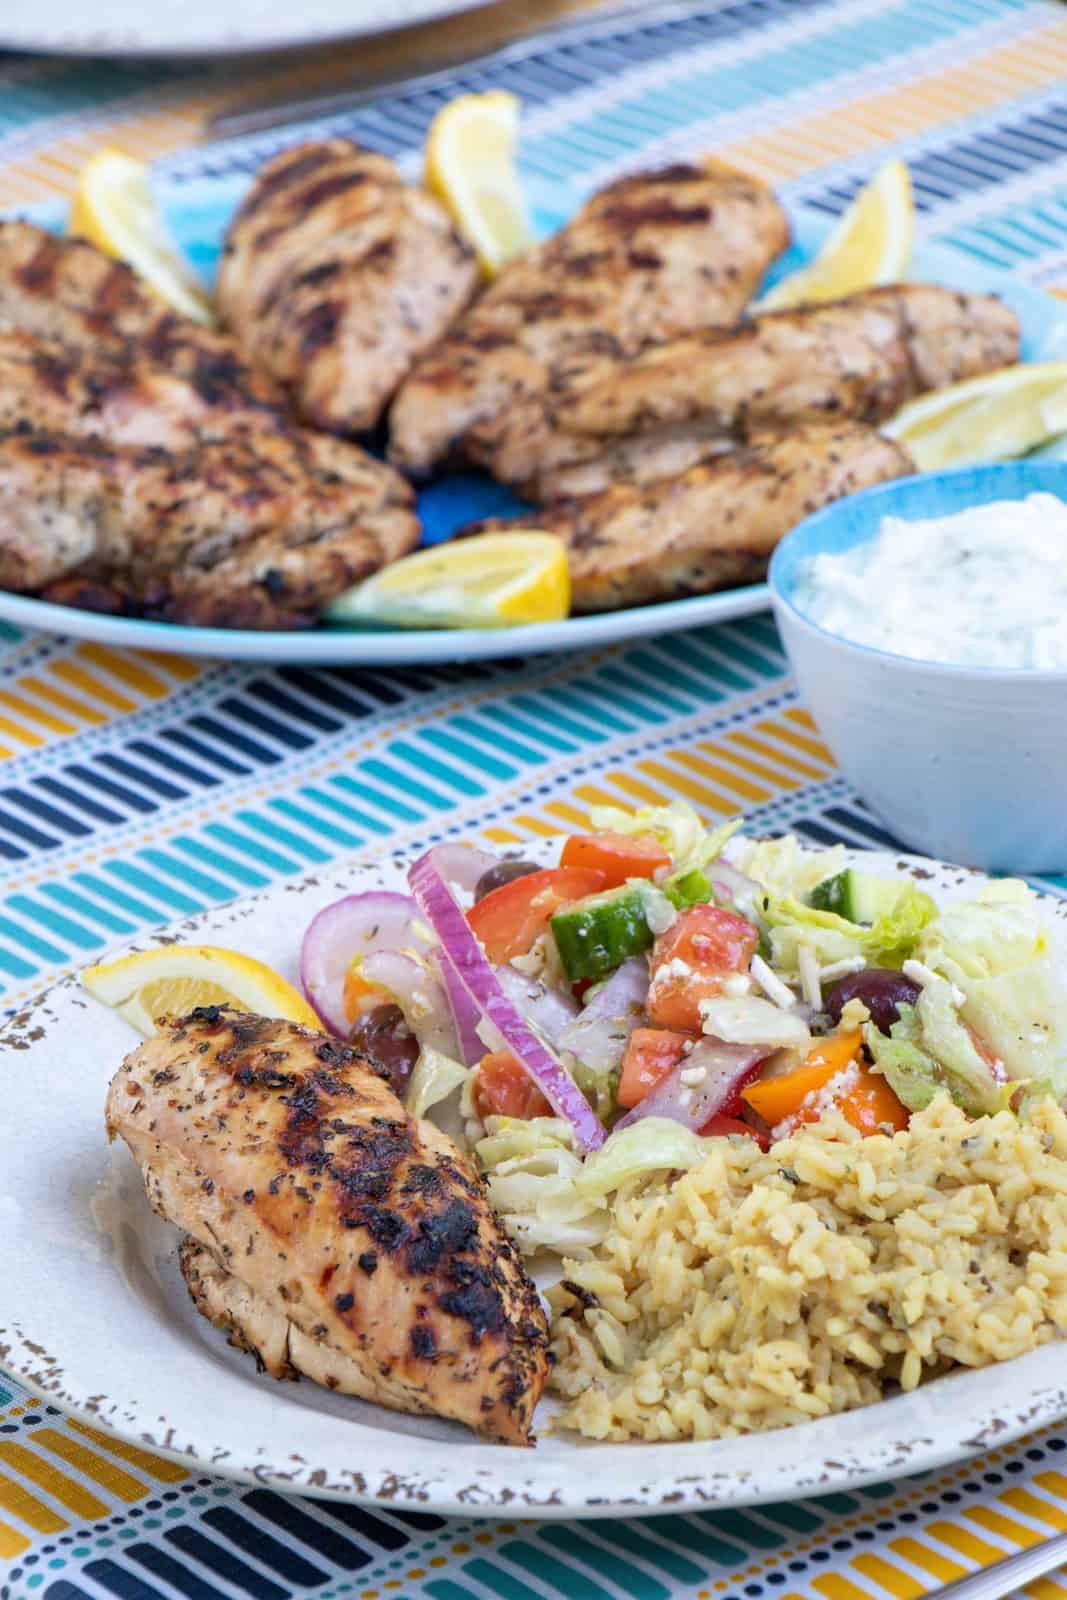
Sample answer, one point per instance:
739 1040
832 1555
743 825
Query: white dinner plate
95 1318
206 27
198 214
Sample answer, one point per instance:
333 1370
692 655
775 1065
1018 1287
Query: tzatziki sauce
986 587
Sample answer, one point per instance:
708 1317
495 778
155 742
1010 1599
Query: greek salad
587 1024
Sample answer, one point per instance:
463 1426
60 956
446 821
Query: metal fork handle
994 1582
367 87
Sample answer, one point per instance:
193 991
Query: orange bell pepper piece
865 1100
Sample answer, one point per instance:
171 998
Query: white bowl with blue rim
964 763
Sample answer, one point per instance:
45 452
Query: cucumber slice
596 935
685 889
856 896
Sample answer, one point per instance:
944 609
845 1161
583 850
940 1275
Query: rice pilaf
761 1290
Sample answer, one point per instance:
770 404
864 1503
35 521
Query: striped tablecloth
136 788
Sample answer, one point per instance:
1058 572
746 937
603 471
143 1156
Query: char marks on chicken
337 276
332 1234
648 258
145 466
714 525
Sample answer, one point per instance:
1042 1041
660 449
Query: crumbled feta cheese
842 968
691 1076
737 983
675 968
808 968
771 984
685 1098
920 973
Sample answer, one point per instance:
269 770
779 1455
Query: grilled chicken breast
337 276
860 357
255 533
145 466
68 291
648 258
334 1234
716 524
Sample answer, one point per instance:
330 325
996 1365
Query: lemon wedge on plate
470 167
113 208
991 418
176 978
871 244
489 581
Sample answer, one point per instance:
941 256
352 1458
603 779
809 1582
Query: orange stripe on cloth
893 1579
931 1561
905 109
26 1506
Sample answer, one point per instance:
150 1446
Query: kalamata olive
387 1044
503 872
881 991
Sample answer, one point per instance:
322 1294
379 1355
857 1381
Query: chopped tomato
504 1088
616 855
719 1127
863 1098
689 962
509 919
651 1055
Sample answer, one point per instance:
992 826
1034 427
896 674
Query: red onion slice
463 864
420 994
465 1014
438 905
545 1009
730 883
358 925
727 1069
600 1033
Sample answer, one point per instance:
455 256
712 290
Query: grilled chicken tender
864 357
255 533
145 466
334 1234
715 525
648 258
337 276
68 291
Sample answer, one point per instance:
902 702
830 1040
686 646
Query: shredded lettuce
436 1076
784 867
995 949
888 942
654 1144
677 827
914 1077
748 1019
549 1199
531 1168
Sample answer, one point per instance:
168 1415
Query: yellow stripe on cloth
66 1490
155 1466
26 1506
931 1561
12 1543
893 1579
905 109
101 1471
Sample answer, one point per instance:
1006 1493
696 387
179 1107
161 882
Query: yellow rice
759 1290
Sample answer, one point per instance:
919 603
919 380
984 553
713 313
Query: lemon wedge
489 581
176 978
470 167
991 418
871 244
113 208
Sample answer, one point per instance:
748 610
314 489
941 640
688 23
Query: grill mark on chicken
363 1251
715 524
863 356
150 472
649 257
337 276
